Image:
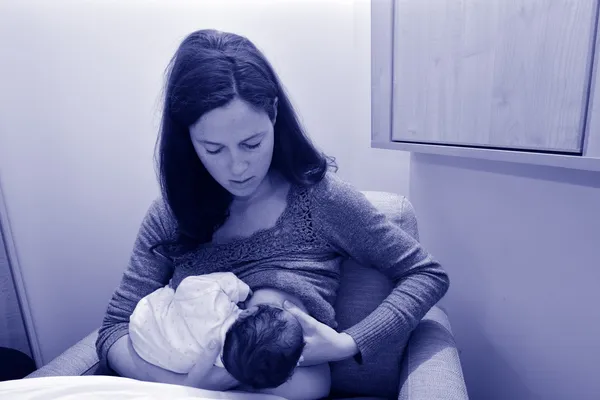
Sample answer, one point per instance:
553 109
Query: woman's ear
275 104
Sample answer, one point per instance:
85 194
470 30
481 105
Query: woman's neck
269 186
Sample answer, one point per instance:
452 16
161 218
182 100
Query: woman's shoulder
160 207
335 202
342 213
332 190
159 215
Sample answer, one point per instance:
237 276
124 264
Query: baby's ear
248 312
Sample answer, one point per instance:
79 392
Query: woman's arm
123 359
145 273
351 223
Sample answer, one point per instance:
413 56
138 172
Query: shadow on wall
520 244
540 172
495 371
492 368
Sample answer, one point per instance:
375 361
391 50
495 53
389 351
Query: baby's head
263 346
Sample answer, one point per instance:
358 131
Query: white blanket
110 388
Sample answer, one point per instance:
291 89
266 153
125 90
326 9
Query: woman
244 190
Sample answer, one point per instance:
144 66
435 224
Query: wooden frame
382 46
591 144
13 265
382 81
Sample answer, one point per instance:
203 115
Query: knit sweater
321 226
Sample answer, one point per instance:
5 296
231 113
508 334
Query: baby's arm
199 285
307 383
236 289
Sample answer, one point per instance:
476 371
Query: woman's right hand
205 375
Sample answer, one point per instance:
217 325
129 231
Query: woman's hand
323 343
204 375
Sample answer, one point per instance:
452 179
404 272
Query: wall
521 245
78 122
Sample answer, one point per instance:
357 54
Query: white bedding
110 387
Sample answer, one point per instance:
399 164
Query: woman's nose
238 166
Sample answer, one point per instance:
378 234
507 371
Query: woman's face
235 145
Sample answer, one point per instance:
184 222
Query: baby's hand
244 304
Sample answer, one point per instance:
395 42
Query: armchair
426 367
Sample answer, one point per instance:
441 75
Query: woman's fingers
305 320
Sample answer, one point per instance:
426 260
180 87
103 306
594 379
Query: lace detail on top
294 232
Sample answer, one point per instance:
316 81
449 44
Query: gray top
321 226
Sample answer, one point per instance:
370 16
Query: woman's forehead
235 121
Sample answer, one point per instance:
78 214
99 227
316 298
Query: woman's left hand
323 343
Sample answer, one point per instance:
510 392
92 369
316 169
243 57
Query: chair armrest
431 368
80 359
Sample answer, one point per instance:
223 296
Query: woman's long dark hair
209 69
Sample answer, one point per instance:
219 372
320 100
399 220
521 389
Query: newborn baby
261 342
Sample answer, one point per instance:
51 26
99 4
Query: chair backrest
363 289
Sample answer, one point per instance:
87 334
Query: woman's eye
249 146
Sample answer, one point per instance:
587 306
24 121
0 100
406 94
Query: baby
261 343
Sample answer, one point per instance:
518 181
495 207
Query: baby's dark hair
263 348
